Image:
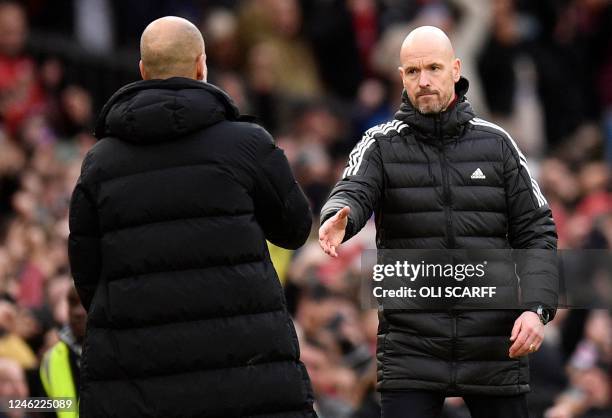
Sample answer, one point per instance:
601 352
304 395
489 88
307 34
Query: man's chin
428 105
428 110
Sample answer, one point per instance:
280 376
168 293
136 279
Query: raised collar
441 126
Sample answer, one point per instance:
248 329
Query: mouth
426 94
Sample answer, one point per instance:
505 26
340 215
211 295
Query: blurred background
317 74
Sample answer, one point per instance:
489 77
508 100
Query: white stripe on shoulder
360 158
482 122
380 128
357 154
523 161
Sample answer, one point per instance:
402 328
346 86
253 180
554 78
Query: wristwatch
542 313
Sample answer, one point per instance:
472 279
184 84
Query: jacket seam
163 375
152 170
212 265
188 321
189 218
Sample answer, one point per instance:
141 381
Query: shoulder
102 154
482 125
245 134
252 130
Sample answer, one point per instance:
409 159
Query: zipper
450 236
446 193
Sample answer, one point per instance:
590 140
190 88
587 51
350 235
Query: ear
143 73
456 69
401 72
201 69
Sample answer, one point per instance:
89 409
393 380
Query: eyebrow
416 67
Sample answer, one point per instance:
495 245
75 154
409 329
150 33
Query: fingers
328 248
516 329
529 345
528 340
325 243
333 252
328 239
520 340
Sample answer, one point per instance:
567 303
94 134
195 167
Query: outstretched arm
354 198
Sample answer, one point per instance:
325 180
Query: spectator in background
12 345
561 55
496 60
12 386
274 28
590 372
221 31
20 91
60 368
333 28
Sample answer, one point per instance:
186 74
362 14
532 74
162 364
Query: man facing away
168 229
437 177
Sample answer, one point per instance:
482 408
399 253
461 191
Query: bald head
172 47
429 69
426 40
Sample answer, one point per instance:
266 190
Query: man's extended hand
332 231
528 332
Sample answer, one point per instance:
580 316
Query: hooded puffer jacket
449 181
168 229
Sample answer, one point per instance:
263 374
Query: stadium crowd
317 74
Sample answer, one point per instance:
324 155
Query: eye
412 71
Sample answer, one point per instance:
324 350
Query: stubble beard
434 108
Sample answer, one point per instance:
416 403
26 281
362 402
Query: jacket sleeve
531 232
281 208
360 187
84 240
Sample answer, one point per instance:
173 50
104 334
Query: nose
424 79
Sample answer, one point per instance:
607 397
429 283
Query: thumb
516 329
343 213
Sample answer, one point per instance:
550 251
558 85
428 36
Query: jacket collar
444 125
159 110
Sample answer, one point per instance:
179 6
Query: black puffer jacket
448 181
168 228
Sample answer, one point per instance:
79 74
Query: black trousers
426 404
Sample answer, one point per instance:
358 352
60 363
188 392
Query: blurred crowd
316 74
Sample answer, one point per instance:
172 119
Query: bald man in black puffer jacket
439 178
168 229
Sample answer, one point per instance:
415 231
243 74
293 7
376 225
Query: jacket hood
152 111
447 124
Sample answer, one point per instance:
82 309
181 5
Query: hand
332 231
559 411
527 332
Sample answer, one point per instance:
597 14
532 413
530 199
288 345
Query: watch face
543 315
